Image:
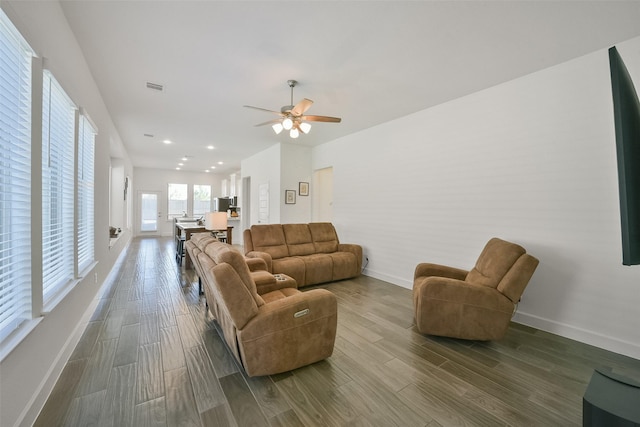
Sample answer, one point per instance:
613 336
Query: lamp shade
287 123
216 221
305 127
277 127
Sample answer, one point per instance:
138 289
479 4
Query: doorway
322 195
149 214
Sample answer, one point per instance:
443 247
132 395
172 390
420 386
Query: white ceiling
367 62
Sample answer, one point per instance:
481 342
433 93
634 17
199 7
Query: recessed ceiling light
213 167
184 159
177 169
220 163
180 164
207 170
210 147
167 141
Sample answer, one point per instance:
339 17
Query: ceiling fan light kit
292 117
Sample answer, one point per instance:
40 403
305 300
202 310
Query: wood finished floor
150 356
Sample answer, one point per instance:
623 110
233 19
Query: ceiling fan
292 117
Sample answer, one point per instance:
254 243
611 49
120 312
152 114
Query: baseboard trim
588 337
394 280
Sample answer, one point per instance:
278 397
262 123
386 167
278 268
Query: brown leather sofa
269 333
476 304
310 253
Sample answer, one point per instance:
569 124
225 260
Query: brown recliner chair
476 304
277 331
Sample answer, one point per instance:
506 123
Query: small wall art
303 188
290 197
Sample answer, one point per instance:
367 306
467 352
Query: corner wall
531 161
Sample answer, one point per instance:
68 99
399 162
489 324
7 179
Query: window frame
177 211
196 211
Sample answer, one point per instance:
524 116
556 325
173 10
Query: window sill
61 293
16 337
114 240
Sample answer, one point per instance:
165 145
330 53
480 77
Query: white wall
283 167
145 179
264 168
531 161
29 372
295 168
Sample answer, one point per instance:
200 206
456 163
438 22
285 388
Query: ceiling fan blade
263 109
301 107
270 122
321 119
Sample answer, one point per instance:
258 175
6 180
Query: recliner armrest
461 292
264 256
290 312
256 264
426 269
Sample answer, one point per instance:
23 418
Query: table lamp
216 221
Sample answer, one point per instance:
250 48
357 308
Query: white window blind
86 141
177 200
15 178
58 172
201 199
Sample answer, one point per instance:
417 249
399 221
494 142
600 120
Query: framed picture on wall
290 197
303 188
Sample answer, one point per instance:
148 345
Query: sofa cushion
225 286
298 238
497 257
269 238
324 237
238 300
318 268
222 253
291 266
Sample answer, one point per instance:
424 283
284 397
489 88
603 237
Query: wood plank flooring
152 356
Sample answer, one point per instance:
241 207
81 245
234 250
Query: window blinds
15 178
58 128
86 141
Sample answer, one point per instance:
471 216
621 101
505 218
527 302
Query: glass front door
149 213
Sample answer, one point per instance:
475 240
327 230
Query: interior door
263 200
322 196
149 213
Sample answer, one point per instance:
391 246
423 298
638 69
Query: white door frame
158 230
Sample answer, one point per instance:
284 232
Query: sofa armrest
426 269
264 256
256 264
290 312
354 249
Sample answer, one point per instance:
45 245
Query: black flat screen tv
626 111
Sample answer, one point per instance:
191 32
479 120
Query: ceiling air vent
155 86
